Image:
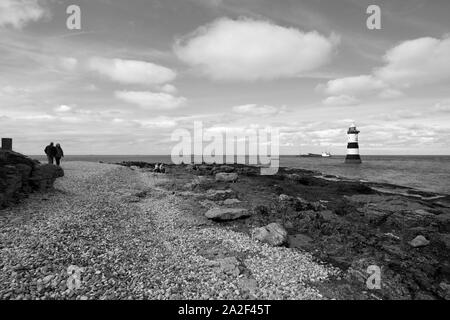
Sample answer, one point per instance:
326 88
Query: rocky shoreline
349 224
221 232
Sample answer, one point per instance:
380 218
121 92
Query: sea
424 173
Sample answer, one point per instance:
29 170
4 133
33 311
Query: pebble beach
131 239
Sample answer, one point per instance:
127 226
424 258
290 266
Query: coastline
106 214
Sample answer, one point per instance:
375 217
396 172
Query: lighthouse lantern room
352 146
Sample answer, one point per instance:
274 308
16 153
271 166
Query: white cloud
249 49
254 109
423 60
151 100
412 63
342 100
18 13
354 85
132 71
169 88
63 108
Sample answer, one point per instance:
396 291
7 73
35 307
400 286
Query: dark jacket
59 152
50 151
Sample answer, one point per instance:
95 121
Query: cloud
443 106
68 63
390 94
412 63
63 108
168 88
248 49
254 109
354 85
131 71
151 100
342 100
18 13
160 122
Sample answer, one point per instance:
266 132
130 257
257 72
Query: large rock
419 241
13 158
226 177
226 214
10 183
43 176
273 234
15 172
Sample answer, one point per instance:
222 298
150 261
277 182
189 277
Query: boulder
10 183
273 234
226 214
219 195
8 157
226 177
20 175
419 241
43 176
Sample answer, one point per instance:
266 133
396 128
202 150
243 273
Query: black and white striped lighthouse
352 146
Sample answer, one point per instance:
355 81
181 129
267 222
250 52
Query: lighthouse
352 146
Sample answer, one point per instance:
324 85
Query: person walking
50 151
59 154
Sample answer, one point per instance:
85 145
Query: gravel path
132 240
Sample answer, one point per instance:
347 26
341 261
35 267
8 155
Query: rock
230 202
225 168
226 177
419 241
301 241
229 265
219 195
10 184
273 234
226 214
13 158
284 197
43 176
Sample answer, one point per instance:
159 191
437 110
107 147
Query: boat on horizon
315 155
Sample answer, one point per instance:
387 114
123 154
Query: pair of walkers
54 153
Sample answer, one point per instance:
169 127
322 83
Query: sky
140 69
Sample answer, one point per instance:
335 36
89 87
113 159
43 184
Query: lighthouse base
353 158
